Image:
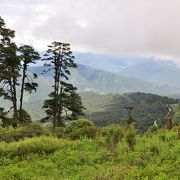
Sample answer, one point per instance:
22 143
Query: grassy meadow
111 152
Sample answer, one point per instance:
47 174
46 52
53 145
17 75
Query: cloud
126 27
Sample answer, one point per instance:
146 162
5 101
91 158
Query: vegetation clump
23 131
81 128
131 137
113 135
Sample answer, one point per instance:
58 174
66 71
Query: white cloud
127 27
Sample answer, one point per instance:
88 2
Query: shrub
154 149
26 118
112 127
113 134
162 137
38 129
59 132
131 137
89 132
76 124
152 129
178 131
23 131
37 145
81 128
3 134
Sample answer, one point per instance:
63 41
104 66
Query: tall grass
48 157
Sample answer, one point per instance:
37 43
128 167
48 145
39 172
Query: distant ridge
160 72
108 109
94 80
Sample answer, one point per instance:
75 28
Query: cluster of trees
64 102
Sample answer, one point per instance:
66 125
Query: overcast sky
125 27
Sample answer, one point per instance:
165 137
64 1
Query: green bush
3 134
76 124
131 137
37 145
81 128
178 131
27 130
112 127
89 132
113 134
26 118
59 132
154 149
152 130
38 129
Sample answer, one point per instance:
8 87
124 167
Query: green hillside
155 155
106 109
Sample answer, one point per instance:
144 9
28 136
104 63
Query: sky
147 28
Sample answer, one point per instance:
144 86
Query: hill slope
106 109
89 79
161 72
147 69
156 156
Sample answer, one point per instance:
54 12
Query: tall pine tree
9 67
64 102
27 56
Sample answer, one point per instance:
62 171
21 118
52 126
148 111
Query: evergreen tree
9 66
64 96
27 56
71 100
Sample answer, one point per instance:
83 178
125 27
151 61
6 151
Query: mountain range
159 71
90 79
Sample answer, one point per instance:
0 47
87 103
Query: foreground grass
155 156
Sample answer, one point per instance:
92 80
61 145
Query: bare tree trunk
22 91
12 84
55 98
59 119
60 108
15 96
